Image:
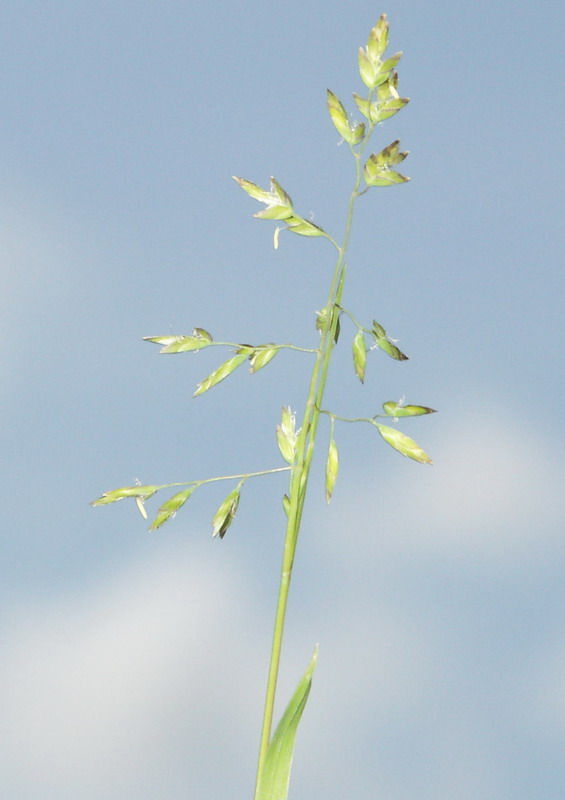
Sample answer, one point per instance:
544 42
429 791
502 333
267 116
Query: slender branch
353 319
121 493
349 419
243 475
260 346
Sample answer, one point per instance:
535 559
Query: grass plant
371 170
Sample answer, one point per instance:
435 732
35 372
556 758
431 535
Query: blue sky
133 664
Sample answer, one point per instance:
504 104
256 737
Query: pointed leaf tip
253 190
222 372
170 507
287 435
359 355
338 116
275 779
261 357
390 348
223 517
404 444
303 227
113 496
332 468
396 410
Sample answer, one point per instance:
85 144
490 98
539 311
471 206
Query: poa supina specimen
296 443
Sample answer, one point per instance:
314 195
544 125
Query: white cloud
92 683
493 493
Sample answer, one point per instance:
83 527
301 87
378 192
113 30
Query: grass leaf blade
276 774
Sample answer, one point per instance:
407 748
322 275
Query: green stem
244 475
203 481
301 470
236 345
355 419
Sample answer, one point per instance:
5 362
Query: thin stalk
301 470
237 345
